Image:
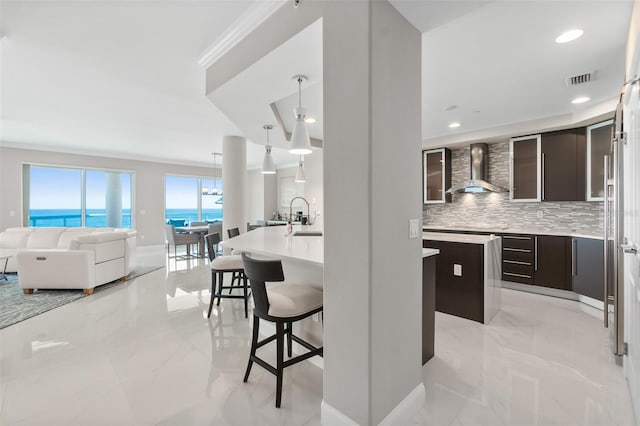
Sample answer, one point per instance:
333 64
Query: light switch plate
457 270
414 228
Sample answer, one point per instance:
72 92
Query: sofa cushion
68 236
44 238
15 238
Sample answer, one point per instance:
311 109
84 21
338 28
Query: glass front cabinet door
436 175
598 145
525 168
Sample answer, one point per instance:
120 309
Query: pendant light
300 142
214 190
300 177
268 168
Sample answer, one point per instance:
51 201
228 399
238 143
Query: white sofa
78 258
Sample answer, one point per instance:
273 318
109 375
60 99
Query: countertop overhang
508 230
274 241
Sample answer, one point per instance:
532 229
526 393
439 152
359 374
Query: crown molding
259 12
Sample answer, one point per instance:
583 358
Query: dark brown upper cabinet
598 145
436 175
525 168
563 162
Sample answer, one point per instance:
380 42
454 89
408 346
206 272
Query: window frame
83 169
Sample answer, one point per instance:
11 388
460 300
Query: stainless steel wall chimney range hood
479 154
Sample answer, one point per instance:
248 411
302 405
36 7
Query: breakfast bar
302 256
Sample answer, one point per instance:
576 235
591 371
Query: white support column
372 270
113 200
234 171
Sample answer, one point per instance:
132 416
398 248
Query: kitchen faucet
291 208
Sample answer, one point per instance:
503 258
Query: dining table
202 230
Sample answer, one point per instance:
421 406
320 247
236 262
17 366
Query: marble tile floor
144 353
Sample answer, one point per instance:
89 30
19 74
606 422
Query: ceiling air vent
579 79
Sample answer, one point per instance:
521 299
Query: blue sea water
97 217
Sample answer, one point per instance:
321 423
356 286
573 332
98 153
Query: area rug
15 306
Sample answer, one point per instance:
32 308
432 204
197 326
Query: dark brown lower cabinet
428 307
552 262
588 267
463 295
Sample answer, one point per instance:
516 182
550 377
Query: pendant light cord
299 92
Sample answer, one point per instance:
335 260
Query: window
75 197
108 199
190 199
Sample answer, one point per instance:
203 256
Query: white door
631 170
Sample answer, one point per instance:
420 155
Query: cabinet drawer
518 255
518 241
519 266
517 277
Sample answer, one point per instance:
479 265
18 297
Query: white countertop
458 238
274 241
508 230
427 252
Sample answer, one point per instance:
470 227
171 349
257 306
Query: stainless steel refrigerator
614 243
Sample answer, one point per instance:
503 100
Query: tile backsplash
495 209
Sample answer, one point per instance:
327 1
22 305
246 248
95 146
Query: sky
58 188
61 188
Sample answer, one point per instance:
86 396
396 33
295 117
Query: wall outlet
457 270
540 214
414 228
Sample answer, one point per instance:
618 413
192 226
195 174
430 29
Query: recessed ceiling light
568 36
580 100
454 125
309 120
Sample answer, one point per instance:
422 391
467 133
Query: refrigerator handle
605 241
574 267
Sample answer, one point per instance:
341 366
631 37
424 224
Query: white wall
255 196
261 196
311 190
148 203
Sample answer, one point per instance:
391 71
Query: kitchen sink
307 234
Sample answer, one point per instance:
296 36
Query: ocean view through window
192 199
77 197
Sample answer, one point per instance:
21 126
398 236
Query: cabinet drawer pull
515 249
516 238
517 275
517 262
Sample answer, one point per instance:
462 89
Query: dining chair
174 239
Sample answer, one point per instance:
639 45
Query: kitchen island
467 274
302 256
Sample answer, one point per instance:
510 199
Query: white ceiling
112 77
122 78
